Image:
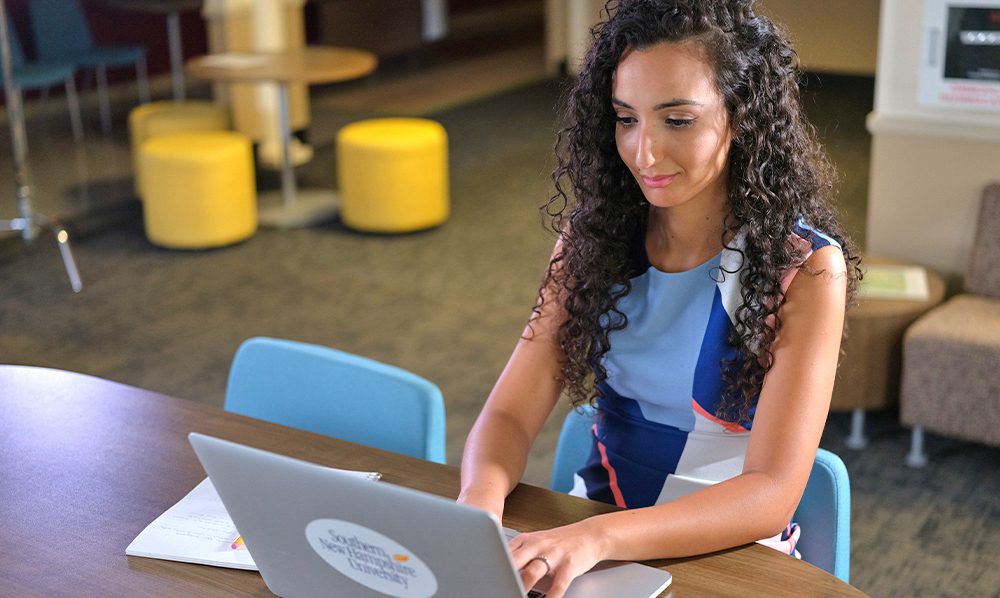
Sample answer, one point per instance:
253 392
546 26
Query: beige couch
951 355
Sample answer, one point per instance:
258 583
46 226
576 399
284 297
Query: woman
696 295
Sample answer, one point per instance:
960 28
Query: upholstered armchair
951 354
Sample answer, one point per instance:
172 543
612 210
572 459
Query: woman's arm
756 504
496 449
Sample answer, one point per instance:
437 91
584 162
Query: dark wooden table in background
86 464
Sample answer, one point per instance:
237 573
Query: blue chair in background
342 395
62 33
29 76
824 511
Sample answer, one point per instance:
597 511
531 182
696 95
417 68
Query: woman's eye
625 120
680 122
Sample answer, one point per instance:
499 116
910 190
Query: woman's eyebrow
671 104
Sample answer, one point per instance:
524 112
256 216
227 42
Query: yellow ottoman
199 189
393 174
157 118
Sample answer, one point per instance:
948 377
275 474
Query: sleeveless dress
657 437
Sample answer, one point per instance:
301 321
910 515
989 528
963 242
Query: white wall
833 36
567 31
928 164
838 36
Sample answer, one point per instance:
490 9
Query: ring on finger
545 561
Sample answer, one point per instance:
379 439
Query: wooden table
86 464
312 65
869 374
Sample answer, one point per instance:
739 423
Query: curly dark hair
778 173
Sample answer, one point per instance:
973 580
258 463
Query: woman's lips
657 182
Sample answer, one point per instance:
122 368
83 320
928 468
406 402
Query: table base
311 206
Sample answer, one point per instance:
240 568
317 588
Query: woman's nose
646 149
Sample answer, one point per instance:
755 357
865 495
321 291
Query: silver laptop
313 531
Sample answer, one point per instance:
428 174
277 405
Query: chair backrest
824 511
983 276
573 447
335 393
60 28
17 57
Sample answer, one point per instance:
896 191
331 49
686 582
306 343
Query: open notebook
199 530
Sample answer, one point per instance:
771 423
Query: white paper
894 282
199 530
195 530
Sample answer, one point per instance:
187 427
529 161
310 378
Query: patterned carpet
448 304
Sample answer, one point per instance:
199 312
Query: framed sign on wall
960 58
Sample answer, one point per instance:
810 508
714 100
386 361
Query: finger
523 553
524 557
531 573
520 540
559 586
515 543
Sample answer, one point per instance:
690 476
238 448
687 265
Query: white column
267 17
581 16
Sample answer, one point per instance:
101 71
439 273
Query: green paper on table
894 282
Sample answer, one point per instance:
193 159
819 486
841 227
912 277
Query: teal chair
62 33
824 511
330 392
29 76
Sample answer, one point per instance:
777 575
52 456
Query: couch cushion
951 370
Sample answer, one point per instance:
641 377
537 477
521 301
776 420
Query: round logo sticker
371 559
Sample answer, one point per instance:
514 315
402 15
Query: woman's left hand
561 553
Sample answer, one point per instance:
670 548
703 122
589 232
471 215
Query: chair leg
175 44
142 79
23 115
102 98
62 241
74 109
917 457
857 440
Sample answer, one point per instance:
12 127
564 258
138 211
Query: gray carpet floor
449 304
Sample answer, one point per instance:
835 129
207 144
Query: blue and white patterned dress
658 438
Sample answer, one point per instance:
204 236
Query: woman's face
672 127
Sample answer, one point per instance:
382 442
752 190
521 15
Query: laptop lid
314 531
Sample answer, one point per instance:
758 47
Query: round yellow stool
158 118
199 189
393 174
